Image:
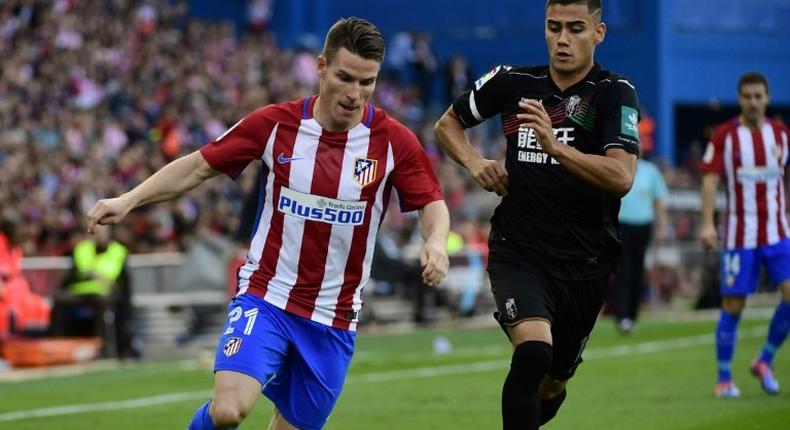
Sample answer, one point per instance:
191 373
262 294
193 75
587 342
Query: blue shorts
300 363
740 268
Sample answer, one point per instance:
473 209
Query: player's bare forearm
660 207
451 138
708 235
434 226
613 172
435 222
171 181
450 135
710 183
662 219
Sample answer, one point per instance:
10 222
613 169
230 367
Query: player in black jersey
572 146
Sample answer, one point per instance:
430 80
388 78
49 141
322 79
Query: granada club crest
572 106
232 346
510 308
365 170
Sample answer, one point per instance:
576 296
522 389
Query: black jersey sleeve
620 119
489 95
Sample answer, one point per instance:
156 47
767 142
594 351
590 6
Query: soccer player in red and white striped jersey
330 163
751 154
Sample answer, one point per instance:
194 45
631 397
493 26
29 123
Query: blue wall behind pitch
705 46
489 33
675 51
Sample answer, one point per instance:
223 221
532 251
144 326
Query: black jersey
549 212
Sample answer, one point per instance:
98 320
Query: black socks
520 402
549 407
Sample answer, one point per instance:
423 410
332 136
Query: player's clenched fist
708 236
490 175
434 262
108 211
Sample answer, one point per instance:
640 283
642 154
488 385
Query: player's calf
520 401
550 406
202 419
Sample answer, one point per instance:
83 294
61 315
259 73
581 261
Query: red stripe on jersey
377 150
510 123
736 164
761 188
283 144
315 239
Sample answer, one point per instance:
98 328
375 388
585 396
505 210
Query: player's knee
530 330
733 305
551 388
227 414
785 289
535 355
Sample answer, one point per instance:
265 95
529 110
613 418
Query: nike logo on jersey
282 159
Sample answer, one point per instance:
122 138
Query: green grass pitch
661 377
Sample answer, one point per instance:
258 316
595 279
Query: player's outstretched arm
169 182
434 226
489 174
707 233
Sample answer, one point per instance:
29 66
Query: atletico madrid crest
365 170
232 346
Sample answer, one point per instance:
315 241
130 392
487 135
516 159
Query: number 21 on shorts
235 314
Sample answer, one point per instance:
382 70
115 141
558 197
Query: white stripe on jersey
342 235
229 130
732 218
300 179
749 190
773 222
473 107
259 236
627 83
772 186
371 239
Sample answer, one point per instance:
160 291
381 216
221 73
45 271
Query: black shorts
526 290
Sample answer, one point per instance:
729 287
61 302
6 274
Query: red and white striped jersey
323 196
752 162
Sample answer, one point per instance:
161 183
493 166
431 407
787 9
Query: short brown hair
752 78
592 5
358 36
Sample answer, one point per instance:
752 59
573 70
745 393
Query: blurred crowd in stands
97 95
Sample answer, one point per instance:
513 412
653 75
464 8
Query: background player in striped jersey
750 152
330 163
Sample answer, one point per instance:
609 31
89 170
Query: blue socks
202 420
777 332
726 335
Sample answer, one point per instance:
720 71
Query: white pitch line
393 375
665 345
107 406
